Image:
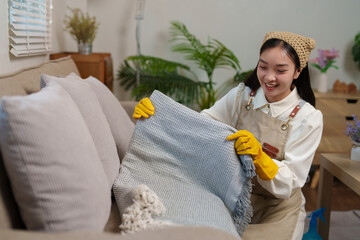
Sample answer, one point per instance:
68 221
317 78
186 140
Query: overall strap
251 97
285 126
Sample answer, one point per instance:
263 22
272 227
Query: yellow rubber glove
246 143
143 109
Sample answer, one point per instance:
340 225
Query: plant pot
85 48
323 83
355 152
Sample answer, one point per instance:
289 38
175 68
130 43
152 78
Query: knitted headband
302 45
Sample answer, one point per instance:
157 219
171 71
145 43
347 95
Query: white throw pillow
53 166
90 109
121 125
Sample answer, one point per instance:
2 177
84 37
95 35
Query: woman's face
276 72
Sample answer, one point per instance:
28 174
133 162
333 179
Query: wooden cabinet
98 65
337 109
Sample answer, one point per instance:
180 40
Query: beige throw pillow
90 109
53 166
121 125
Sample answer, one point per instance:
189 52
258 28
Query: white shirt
303 140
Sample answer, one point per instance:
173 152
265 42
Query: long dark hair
302 83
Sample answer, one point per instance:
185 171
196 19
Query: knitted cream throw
180 160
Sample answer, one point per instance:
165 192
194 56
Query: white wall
239 24
8 63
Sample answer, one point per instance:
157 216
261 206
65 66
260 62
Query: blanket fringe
243 210
139 215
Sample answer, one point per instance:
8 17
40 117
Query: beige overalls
273 218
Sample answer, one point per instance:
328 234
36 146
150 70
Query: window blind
30 27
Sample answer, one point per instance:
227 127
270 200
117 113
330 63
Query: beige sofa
27 81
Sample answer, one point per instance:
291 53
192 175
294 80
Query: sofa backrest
23 82
27 80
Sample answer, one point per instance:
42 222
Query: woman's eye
262 67
281 71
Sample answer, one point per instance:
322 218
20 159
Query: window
30 27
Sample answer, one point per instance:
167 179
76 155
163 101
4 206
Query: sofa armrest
168 233
129 107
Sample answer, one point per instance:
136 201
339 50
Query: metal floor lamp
139 15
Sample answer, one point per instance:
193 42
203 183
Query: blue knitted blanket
180 170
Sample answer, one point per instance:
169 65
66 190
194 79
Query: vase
355 152
323 83
85 48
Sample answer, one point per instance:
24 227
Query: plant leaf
159 74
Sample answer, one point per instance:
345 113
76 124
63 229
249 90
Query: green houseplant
82 28
355 50
176 79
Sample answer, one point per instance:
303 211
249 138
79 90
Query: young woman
279 127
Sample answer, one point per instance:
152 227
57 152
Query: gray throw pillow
90 109
121 125
53 166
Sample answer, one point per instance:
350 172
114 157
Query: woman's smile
270 86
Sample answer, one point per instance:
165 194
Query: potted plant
325 61
82 28
355 50
353 131
176 79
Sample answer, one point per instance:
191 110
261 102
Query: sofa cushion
90 109
180 169
121 126
53 166
170 233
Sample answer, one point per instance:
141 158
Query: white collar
279 107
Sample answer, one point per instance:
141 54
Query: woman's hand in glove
143 109
246 143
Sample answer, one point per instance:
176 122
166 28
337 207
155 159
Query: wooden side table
347 171
98 65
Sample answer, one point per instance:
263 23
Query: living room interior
240 26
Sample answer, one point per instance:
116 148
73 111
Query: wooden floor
343 198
